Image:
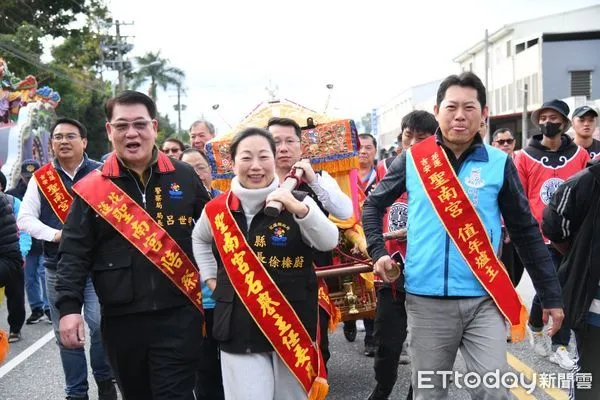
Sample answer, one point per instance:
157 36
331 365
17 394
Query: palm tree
151 66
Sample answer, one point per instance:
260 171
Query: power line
17 54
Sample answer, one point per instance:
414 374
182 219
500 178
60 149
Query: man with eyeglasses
321 186
43 213
504 140
199 161
173 147
130 226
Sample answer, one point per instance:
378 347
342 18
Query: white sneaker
539 342
562 357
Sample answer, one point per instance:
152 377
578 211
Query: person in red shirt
549 159
390 318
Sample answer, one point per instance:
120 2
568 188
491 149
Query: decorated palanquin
26 115
331 146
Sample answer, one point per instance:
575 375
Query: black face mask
551 129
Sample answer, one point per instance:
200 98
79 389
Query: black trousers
588 349
13 280
389 334
209 385
155 355
324 327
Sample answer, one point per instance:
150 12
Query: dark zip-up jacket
574 215
10 255
513 205
125 280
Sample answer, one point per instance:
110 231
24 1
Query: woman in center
260 270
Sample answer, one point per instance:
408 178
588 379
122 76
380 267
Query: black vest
277 242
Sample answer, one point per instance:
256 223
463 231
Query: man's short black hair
368 136
130 97
466 79
71 121
285 122
176 141
249 132
193 150
418 121
501 130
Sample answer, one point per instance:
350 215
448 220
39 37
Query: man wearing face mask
549 159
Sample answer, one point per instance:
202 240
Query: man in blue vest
41 221
447 306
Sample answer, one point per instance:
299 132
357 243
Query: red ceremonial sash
54 190
265 302
327 305
139 229
465 228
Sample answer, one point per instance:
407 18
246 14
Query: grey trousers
258 376
439 328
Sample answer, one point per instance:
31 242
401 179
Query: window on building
532 42
504 98
520 93
508 49
581 83
519 48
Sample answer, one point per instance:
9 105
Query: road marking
520 366
25 354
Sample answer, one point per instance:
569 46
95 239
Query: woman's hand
288 200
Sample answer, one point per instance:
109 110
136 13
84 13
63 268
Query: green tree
52 17
151 66
165 128
22 51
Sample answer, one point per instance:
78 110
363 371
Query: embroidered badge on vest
175 191
278 234
474 180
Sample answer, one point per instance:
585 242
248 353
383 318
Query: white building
556 56
389 115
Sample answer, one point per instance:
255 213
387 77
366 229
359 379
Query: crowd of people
191 293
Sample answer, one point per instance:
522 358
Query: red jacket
542 171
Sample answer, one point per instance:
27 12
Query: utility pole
179 107
120 58
120 47
525 124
